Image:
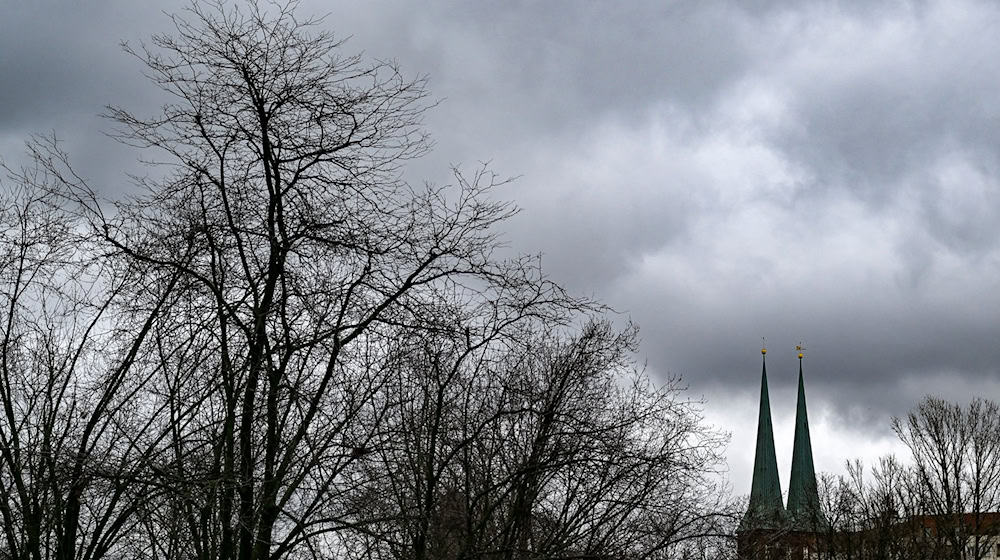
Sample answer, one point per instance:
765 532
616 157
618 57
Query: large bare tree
296 256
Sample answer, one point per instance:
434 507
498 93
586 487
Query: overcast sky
824 172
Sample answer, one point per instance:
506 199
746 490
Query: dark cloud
721 171
61 64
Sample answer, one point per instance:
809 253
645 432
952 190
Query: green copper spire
765 510
803 499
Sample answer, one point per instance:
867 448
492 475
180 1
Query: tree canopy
280 349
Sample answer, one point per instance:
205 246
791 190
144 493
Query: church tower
765 511
803 499
769 530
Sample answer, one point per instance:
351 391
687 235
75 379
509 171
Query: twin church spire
765 511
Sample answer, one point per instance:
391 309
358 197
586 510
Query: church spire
803 499
765 510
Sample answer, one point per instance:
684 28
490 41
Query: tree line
943 503
277 348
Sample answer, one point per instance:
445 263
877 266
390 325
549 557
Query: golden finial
799 348
763 345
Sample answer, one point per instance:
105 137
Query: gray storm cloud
822 172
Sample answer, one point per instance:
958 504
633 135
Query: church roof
803 499
765 510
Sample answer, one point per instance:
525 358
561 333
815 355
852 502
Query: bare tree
296 257
931 508
540 446
75 432
934 507
936 434
939 435
982 477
